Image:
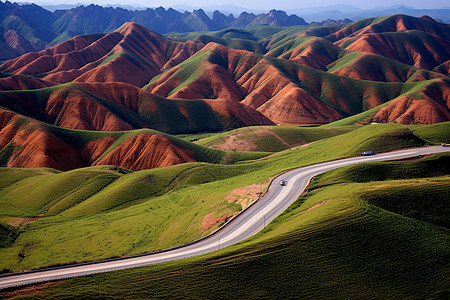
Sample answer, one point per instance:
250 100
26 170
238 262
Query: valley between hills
127 142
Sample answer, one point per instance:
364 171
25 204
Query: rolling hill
103 206
290 93
89 153
283 75
120 106
323 235
28 143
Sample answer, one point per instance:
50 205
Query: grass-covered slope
290 93
119 106
115 212
269 138
26 142
262 75
356 65
343 239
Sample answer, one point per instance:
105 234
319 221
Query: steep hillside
120 106
394 23
410 47
27 143
28 27
420 42
22 82
290 93
356 65
260 75
131 54
24 28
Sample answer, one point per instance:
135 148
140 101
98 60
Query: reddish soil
22 221
314 206
209 221
137 55
94 149
357 69
424 51
19 82
246 195
251 77
146 151
316 53
18 42
432 107
234 141
237 114
31 144
396 23
245 88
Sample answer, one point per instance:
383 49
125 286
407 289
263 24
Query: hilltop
391 69
29 27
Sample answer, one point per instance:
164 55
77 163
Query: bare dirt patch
246 195
264 131
36 290
235 142
209 220
245 141
16 222
315 206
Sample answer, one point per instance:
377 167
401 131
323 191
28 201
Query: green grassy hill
260 82
114 212
353 237
269 138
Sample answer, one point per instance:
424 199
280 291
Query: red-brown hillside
131 54
315 75
242 75
22 82
120 106
285 92
29 145
443 68
18 42
394 23
432 106
146 151
414 48
26 143
316 53
374 67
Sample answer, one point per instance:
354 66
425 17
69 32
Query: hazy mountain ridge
29 27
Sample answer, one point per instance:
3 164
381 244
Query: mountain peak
128 27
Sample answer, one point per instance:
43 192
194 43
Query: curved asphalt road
246 224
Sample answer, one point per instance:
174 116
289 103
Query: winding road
244 225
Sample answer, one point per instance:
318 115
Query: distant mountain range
29 27
338 12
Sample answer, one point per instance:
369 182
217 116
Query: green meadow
353 235
51 217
